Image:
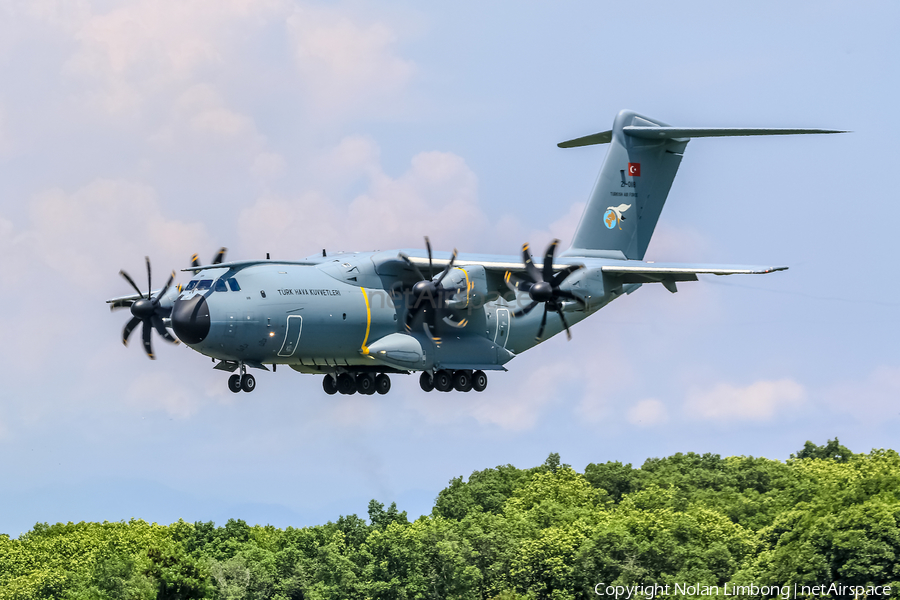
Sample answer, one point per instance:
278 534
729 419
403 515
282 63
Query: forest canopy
687 526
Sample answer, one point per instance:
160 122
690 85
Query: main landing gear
461 381
364 383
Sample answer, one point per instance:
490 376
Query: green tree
833 450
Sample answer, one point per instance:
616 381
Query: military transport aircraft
358 317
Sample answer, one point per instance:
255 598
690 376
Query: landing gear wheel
234 383
248 382
479 381
426 382
443 381
365 384
329 385
346 384
382 384
462 381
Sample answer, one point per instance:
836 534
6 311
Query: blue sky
164 128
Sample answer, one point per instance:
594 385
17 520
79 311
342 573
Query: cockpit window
220 286
191 285
204 284
234 285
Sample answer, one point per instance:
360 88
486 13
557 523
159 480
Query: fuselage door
502 333
292 335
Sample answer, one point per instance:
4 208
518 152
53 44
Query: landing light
271 334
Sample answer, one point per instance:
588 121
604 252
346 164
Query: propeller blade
446 269
430 265
129 327
220 255
145 335
571 296
531 271
548 260
149 280
517 285
429 331
543 322
161 329
524 311
566 325
119 304
414 267
165 288
131 281
561 276
452 323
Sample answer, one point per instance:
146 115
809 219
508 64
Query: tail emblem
613 215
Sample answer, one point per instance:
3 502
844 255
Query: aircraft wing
643 272
131 297
640 271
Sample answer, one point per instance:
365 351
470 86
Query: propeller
146 310
543 287
429 296
218 258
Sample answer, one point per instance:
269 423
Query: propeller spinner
542 287
147 311
428 295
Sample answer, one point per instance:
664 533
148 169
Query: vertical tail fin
635 179
631 189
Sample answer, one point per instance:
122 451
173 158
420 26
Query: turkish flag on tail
634 169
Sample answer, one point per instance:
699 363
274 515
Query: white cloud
677 244
160 390
6 141
200 117
144 47
536 391
759 401
267 165
648 413
346 63
869 399
436 196
85 235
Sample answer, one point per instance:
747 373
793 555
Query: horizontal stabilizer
604 137
668 133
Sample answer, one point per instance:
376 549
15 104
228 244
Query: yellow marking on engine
468 287
365 349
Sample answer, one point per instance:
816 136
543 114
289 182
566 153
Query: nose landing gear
242 382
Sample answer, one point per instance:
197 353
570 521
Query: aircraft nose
190 319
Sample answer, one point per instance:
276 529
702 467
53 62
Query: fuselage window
220 286
204 284
191 285
234 285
